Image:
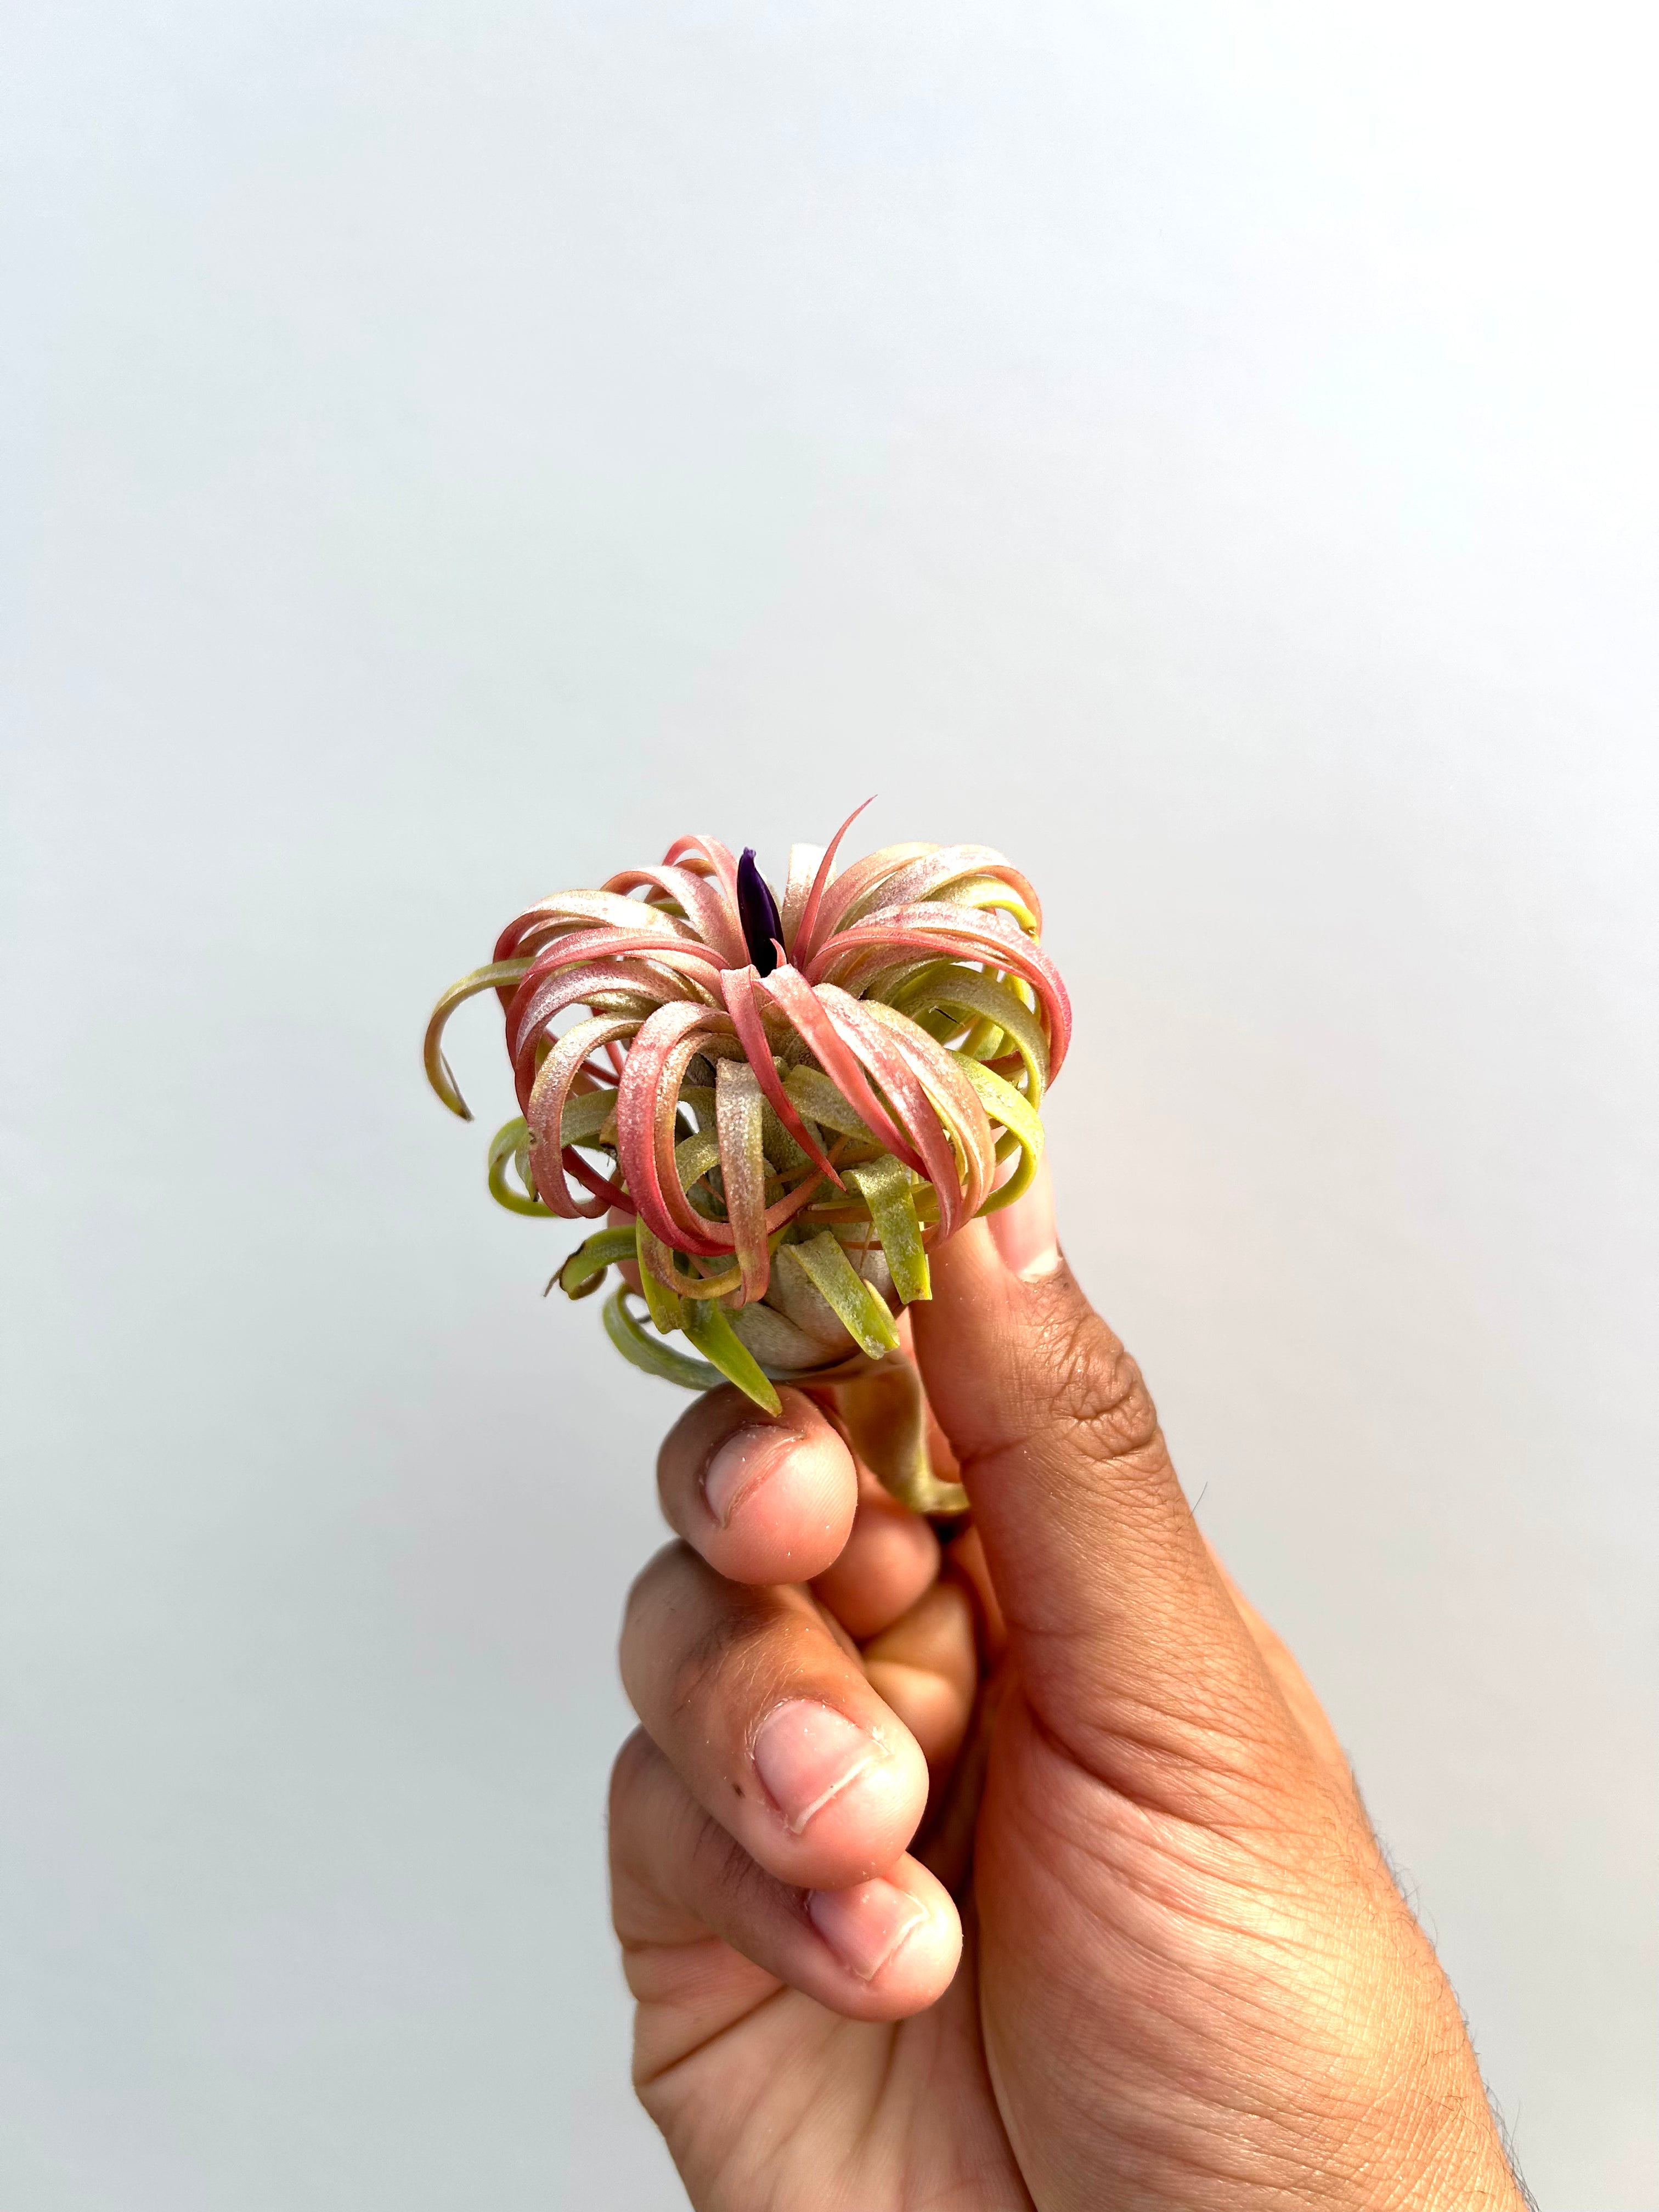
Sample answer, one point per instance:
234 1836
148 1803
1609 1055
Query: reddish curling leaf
800 949
659 991
706 910
811 1017
738 984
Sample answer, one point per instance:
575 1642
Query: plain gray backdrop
452 446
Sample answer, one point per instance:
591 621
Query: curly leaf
584 1270
656 1266
1003 1104
505 1145
438 1072
650 1352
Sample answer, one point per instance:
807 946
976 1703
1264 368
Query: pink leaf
804 1009
738 985
581 910
925 878
538 1004
646 1103
961 934
738 1104
717 860
861 881
800 947
708 911
545 1113
886 1058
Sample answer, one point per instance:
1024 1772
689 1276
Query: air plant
780 1110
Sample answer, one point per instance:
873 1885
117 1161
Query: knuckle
630 1773
634 1805
654 1584
718 1865
720 1664
668 1627
1096 1392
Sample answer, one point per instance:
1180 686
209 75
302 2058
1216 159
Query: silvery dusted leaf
782 1107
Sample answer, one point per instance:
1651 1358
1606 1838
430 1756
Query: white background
450 447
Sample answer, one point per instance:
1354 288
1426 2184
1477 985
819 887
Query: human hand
1024 1873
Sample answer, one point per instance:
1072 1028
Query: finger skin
926 1666
877 1954
890 1558
1194 1983
771 1722
1129 1649
793 1507
762 1499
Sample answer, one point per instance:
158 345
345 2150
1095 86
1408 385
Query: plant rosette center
780 1108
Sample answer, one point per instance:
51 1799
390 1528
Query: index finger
784 1501
763 1497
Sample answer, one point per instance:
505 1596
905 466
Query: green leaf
815 1098
651 1353
781 1150
988 891
584 1270
708 1327
662 1303
887 1423
694 1155
965 991
438 1072
508 1141
884 1187
850 1298
1004 1103
584 1115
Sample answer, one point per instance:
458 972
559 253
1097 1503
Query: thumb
1128 1648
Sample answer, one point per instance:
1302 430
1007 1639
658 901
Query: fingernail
865 1926
806 1754
1023 1233
746 1458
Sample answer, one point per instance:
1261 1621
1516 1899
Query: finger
881 1949
925 1669
968 1562
771 1722
764 1500
890 1559
1127 1645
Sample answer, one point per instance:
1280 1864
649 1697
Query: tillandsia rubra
780 1109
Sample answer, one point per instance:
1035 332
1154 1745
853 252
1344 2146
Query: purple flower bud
757 910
